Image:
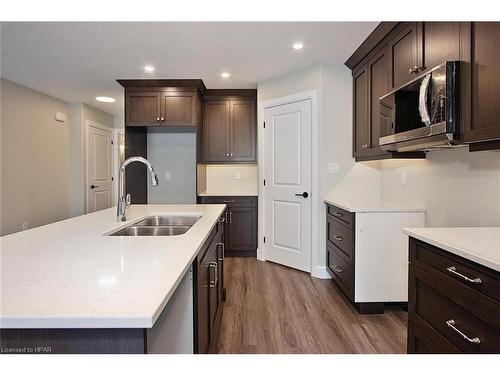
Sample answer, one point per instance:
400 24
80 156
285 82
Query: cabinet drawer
453 315
425 255
342 237
231 201
342 273
426 340
342 215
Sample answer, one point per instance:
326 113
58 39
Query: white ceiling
78 61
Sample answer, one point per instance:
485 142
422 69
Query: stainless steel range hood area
422 115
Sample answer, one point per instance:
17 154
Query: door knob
94 186
304 194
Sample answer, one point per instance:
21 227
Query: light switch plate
333 167
61 116
237 175
168 175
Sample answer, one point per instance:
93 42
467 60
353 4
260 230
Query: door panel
143 109
203 316
241 229
288 151
243 130
361 130
378 73
179 109
216 131
403 52
99 168
441 42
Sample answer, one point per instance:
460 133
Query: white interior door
99 167
288 175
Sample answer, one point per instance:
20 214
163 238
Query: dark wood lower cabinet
240 223
447 313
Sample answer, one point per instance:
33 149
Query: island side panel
73 341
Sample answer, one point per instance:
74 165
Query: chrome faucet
124 202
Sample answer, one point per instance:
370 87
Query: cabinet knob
157 119
163 119
227 155
413 70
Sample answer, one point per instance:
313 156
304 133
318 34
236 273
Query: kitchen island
71 284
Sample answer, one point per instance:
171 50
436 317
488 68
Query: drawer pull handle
337 237
337 269
453 270
213 283
221 244
451 323
338 214
228 201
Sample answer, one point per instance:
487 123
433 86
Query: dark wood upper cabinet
480 86
438 42
216 131
360 111
179 108
229 131
378 75
243 130
142 108
403 52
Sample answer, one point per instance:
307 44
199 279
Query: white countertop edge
464 253
389 206
228 194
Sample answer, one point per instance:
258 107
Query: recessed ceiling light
225 75
149 68
105 99
298 46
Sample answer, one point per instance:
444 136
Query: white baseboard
260 255
320 273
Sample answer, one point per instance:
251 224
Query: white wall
223 178
458 188
42 160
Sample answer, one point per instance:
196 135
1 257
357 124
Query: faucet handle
128 200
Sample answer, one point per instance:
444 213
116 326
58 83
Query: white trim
311 95
321 273
89 123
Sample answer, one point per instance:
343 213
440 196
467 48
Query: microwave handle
422 100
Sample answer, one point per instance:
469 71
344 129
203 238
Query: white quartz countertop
480 245
228 193
360 204
70 274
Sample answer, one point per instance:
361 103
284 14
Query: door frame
312 95
88 124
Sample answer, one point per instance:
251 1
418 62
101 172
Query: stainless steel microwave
423 114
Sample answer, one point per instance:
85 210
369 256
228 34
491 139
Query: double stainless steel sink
159 225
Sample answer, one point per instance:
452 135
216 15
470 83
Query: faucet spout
125 201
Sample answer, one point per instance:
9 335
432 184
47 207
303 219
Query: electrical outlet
168 175
333 167
403 176
26 226
237 175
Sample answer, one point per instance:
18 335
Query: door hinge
112 178
112 142
264 124
264 239
264 182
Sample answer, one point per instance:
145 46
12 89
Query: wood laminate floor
275 309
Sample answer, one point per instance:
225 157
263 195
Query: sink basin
159 225
161 221
135 230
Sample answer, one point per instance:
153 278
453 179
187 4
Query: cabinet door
242 229
142 109
440 43
213 298
360 112
403 51
480 81
216 131
179 109
220 262
378 86
242 131
202 307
